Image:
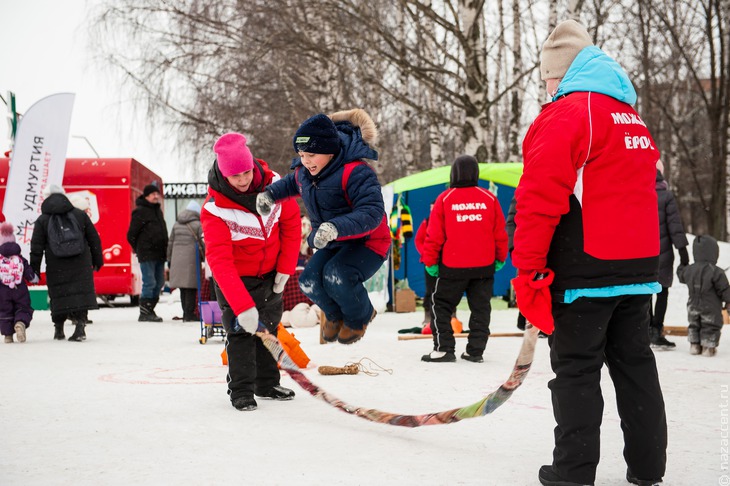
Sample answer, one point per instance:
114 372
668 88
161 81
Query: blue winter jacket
356 213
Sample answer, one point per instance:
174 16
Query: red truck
110 186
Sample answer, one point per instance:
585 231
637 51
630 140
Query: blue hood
352 147
593 70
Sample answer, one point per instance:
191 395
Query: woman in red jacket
251 258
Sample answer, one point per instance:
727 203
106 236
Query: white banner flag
38 159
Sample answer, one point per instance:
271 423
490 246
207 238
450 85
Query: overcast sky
44 51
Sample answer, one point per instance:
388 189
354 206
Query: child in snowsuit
708 289
15 309
251 258
343 198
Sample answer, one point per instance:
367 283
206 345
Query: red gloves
532 290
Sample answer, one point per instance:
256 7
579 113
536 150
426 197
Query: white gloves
326 233
279 282
249 320
264 203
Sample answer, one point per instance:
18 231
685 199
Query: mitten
326 233
498 265
532 290
264 203
433 270
279 282
248 320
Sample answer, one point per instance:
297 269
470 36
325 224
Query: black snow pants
446 296
589 332
251 367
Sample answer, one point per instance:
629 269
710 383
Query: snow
145 403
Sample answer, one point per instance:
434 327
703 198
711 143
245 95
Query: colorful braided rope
484 406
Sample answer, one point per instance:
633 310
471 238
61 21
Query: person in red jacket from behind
251 258
466 243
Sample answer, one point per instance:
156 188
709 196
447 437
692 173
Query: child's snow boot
439 357
695 348
706 351
79 333
8 339
244 404
348 335
473 359
330 330
20 331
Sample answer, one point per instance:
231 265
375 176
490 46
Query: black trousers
250 365
660 309
188 301
588 333
446 296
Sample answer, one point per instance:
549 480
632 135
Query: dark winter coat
671 231
70 279
147 232
357 211
15 302
186 234
509 224
707 283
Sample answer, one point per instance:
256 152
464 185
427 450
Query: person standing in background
465 244
186 239
70 279
147 235
671 233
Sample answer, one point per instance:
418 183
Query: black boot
79 333
58 332
147 311
188 299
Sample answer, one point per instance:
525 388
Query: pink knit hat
234 156
7 234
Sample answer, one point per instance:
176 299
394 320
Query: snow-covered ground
145 403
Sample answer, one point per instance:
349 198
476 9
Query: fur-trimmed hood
359 118
357 133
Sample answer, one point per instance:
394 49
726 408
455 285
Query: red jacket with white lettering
239 242
586 202
465 233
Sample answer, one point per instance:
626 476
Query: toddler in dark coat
15 309
708 289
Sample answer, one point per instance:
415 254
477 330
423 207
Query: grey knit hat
561 48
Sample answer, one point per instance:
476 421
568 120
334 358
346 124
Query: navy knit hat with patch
317 135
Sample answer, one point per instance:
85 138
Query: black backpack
65 238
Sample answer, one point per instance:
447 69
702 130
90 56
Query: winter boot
58 333
275 393
548 477
641 482
473 359
348 335
79 333
8 339
244 404
706 350
439 357
20 331
329 330
657 339
695 348
147 311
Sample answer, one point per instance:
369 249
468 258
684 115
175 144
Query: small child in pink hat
15 309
